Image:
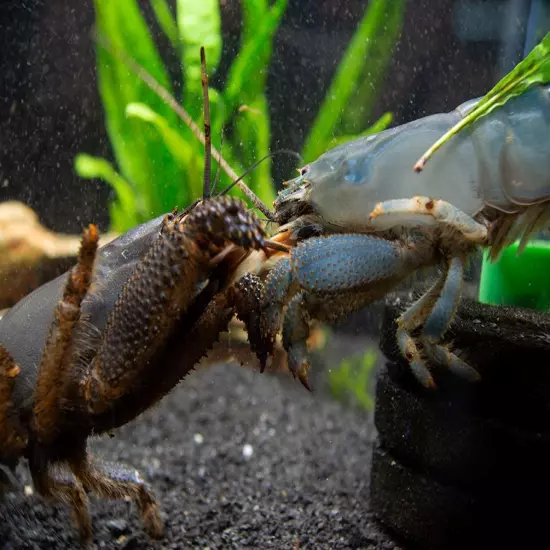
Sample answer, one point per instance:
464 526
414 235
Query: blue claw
342 263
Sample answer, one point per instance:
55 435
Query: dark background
449 51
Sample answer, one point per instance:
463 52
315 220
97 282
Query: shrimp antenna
256 164
171 101
206 190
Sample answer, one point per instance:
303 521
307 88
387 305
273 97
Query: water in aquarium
273 274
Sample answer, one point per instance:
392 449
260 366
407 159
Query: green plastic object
514 280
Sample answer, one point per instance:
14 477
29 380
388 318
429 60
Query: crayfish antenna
218 171
206 190
268 213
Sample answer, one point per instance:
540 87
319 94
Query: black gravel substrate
237 459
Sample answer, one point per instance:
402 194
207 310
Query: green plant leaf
199 24
181 150
386 30
166 21
534 69
381 124
141 155
249 70
246 90
352 379
252 12
89 167
357 57
118 215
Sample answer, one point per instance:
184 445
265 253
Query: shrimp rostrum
361 220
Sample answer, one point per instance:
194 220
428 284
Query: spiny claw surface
226 219
248 297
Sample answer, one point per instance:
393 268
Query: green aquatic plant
352 380
534 69
346 108
158 158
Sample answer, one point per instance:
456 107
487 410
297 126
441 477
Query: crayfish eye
304 170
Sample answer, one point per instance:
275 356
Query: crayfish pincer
129 323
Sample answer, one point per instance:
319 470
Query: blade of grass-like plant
166 21
534 69
140 152
199 24
90 167
381 124
167 98
252 130
181 149
356 115
252 12
242 86
247 85
345 80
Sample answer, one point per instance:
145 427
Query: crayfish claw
247 295
264 359
299 366
305 382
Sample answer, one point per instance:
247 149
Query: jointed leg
341 273
276 290
305 307
409 320
415 315
67 481
434 311
439 319
161 292
247 296
192 341
112 481
61 485
56 359
13 438
162 289
442 211
295 336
